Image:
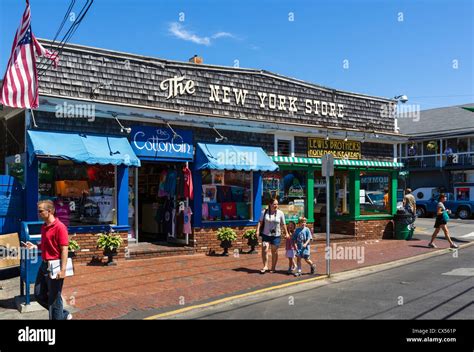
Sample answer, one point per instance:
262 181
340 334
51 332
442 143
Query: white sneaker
69 316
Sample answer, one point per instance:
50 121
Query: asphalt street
440 287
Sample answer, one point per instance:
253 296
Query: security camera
403 98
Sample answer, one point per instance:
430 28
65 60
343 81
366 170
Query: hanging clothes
162 192
188 183
170 185
187 220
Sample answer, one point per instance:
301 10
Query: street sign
327 165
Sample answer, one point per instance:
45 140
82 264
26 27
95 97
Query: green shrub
226 234
109 241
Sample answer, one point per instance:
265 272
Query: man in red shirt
54 245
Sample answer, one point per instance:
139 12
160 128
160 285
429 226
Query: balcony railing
430 161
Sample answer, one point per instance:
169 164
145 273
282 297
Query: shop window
284 147
375 195
289 187
319 194
227 195
341 193
471 142
82 194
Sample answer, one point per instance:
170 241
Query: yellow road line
227 299
294 283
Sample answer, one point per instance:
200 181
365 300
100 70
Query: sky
422 49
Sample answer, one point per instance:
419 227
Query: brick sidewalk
101 292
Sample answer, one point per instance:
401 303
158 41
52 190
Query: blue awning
233 157
82 148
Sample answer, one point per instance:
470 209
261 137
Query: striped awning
337 162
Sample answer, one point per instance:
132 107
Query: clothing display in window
205 211
62 211
215 211
224 194
90 212
229 211
210 193
242 211
106 206
237 193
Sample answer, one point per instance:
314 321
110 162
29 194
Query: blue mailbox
30 259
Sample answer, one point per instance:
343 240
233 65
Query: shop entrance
159 210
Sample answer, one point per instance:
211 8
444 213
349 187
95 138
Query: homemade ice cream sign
222 95
340 149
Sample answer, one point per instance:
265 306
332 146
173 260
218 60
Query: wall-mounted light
327 135
345 138
122 127
221 137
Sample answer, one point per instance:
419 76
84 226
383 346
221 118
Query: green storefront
363 193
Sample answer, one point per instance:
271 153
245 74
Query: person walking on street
54 245
291 248
409 204
269 227
302 238
442 218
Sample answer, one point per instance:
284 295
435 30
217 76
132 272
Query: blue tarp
82 148
233 157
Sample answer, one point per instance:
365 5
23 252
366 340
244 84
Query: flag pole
33 116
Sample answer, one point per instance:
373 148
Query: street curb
345 275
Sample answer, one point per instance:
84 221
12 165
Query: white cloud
179 32
222 35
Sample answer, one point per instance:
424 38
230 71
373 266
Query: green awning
337 162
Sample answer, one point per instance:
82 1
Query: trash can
402 231
30 261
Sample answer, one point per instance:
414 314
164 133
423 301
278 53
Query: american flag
20 84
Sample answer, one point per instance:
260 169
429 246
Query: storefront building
168 152
440 149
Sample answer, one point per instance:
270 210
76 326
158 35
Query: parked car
463 209
424 193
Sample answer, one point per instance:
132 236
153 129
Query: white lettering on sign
162 142
239 94
178 86
175 86
323 108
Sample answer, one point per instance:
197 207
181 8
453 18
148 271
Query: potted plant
252 240
432 146
109 242
226 235
72 248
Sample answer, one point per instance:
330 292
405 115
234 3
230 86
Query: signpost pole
327 170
